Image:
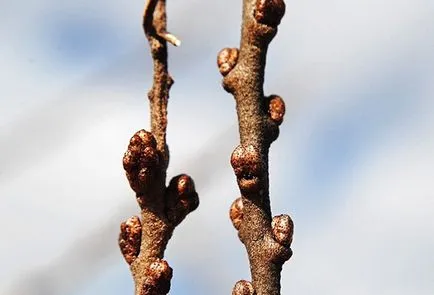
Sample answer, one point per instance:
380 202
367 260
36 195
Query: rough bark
143 242
267 240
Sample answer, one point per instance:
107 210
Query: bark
267 240
143 242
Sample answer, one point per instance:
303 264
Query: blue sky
353 164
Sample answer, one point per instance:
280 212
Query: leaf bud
227 59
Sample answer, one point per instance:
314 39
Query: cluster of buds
157 278
130 238
141 161
181 198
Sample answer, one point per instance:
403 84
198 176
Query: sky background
353 165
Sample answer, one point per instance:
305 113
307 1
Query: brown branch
143 243
267 240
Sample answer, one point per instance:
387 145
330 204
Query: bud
130 238
247 165
243 288
141 160
269 12
157 278
236 213
181 198
283 229
227 59
276 108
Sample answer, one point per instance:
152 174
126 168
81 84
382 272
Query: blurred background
353 166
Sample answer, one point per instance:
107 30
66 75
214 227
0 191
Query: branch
267 240
143 243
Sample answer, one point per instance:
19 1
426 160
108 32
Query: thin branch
143 242
159 29
267 240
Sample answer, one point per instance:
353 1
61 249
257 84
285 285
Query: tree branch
143 243
267 240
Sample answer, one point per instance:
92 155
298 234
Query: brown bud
143 137
157 278
181 198
276 108
141 160
243 288
247 165
269 12
129 238
283 229
236 213
227 59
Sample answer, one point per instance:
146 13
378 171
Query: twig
146 160
267 240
